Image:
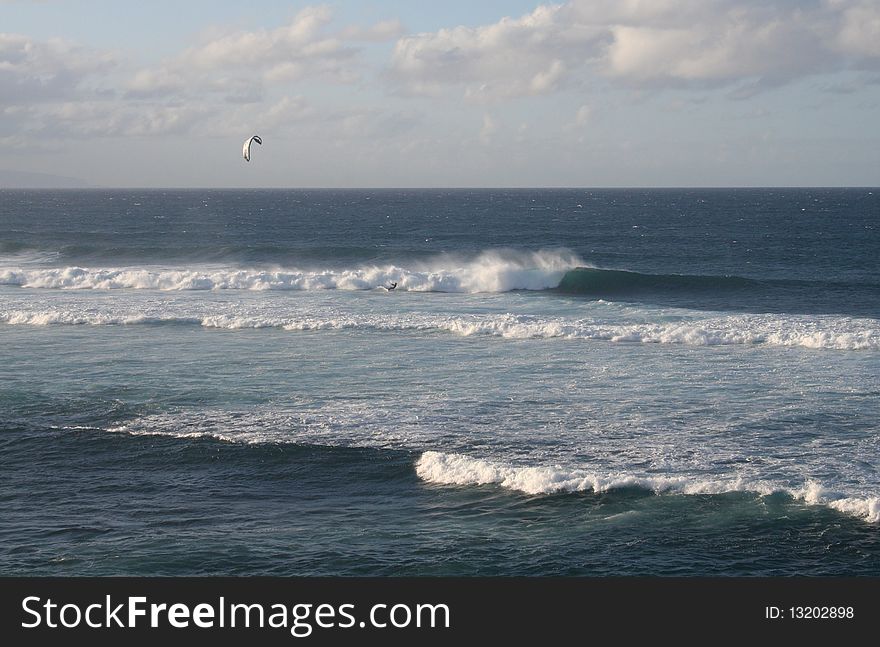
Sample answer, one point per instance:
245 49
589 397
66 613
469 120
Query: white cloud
66 91
737 42
859 33
33 71
547 80
522 56
247 60
642 43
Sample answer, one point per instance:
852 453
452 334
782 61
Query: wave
366 428
824 332
597 281
490 271
361 424
457 469
494 271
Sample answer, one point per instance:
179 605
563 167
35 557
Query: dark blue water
565 382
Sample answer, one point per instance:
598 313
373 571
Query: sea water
563 382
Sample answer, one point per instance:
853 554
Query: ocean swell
599 282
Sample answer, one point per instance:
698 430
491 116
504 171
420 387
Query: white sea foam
342 423
817 494
457 469
819 332
491 271
73 318
868 508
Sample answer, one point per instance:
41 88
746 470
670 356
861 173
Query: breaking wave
490 271
816 332
457 469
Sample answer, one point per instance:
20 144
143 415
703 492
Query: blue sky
393 93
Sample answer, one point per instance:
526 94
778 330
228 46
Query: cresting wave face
490 271
457 469
596 281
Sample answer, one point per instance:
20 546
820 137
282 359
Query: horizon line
438 188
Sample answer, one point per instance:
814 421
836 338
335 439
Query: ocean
564 382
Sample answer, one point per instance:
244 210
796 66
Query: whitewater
491 271
834 333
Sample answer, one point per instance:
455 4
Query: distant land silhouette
28 180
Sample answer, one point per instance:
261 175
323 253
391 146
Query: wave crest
490 271
822 333
457 469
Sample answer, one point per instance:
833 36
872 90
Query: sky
394 93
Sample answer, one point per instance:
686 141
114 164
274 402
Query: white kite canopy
246 149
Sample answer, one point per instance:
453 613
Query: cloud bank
642 43
32 71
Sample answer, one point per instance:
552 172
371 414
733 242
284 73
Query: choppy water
564 382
